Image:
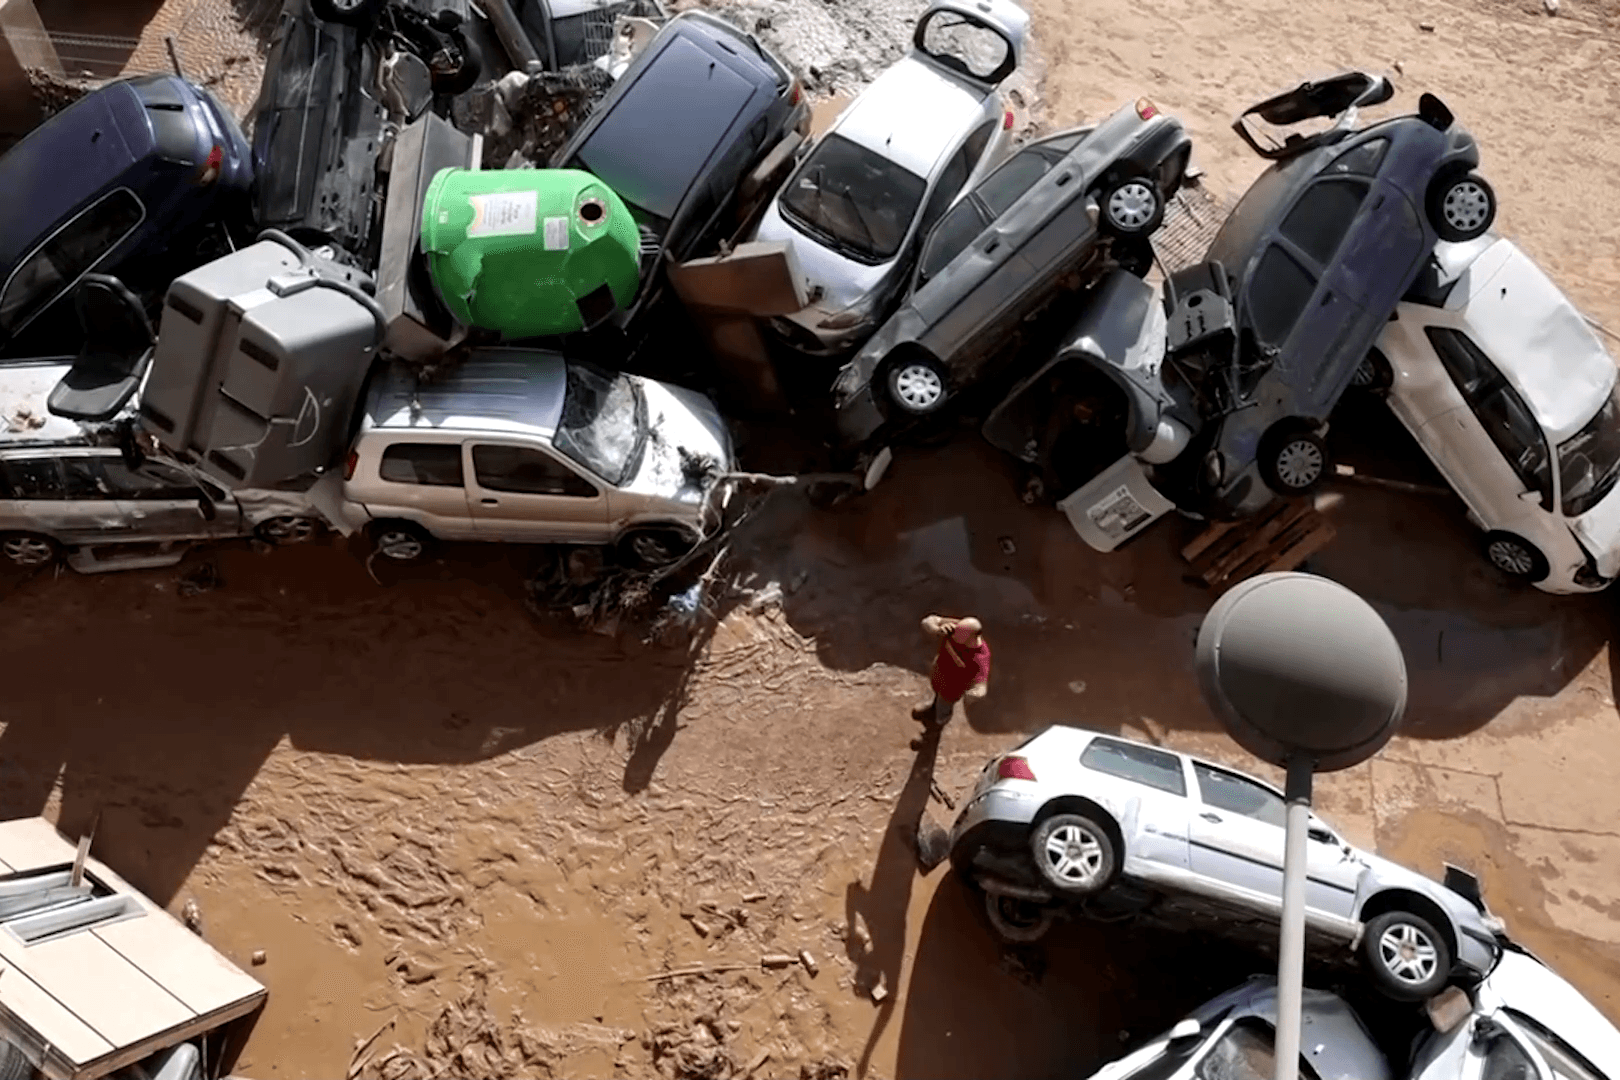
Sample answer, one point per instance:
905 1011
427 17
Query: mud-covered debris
754 897
531 117
200 579
55 92
701 927
809 963
933 844
259 957
880 989
824 1070
778 960
466 1039
191 915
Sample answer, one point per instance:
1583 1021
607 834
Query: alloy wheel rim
1299 464
289 530
26 551
1465 206
399 545
1131 205
919 386
1074 854
1408 954
1511 557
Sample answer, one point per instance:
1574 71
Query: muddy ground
491 841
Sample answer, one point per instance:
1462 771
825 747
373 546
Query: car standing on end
1301 279
1043 225
890 165
1513 397
1072 815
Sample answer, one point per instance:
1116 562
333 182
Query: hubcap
1131 204
27 551
919 386
650 549
1364 374
1408 954
399 545
289 530
1299 464
1074 854
1511 557
1465 206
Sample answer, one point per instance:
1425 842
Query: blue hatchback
120 182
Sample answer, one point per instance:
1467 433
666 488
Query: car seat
116 353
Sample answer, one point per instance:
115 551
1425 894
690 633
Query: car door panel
69 504
1333 873
431 492
1132 781
504 493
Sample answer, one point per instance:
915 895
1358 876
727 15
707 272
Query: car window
1278 294
1319 221
1143 764
949 186
854 200
1239 795
523 471
151 483
1015 176
436 464
955 233
1246 1052
1501 411
82 479
973 149
33 478
604 423
1057 147
72 251
1363 160
1505 1059
1589 460
1564 1062
1170 1062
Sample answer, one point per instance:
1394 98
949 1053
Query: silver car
1074 816
523 446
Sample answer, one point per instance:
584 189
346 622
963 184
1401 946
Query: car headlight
847 384
850 319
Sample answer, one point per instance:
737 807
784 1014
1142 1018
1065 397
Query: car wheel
1074 854
29 549
917 385
1294 462
347 12
1406 956
1016 920
1515 556
649 549
1133 207
401 541
466 75
1373 374
1462 207
282 531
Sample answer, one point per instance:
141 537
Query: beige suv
522 446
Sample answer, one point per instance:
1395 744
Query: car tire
29 550
346 12
1462 206
1406 957
1294 461
465 77
1074 854
400 541
652 548
1132 207
1374 374
916 384
287 530
1018 921
1516 557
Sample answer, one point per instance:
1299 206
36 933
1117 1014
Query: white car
1514 398
890 165
1112 825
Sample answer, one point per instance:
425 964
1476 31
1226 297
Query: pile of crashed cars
351 323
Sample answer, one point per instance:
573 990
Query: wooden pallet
1280 537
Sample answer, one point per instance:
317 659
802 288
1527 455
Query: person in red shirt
961 667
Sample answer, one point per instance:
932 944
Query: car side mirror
1321 835
1531 497
1185 1031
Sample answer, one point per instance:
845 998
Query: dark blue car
125 181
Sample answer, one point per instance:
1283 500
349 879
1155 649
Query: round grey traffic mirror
1297 666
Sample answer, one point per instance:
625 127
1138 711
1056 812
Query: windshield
604 423
854 201
1589 460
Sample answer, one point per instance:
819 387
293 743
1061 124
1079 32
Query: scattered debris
1280 537
191 915
933 844
1427 28
880 989
939 793
701 927
777 960
1007 546
1550 6
753 897
54 93
809 963
361 1056
1077 686
759 1059
712 969
824 1070
532 116
200 579
259 957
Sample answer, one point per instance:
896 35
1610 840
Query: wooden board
1280 537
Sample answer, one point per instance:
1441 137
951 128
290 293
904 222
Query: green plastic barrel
513 250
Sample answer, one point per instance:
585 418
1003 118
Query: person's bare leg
927 712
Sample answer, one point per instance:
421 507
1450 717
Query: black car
695 112
1269 330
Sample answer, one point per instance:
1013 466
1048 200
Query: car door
521 492
1326 334
1492 1047
421 481
163 503
53 496
50 271
1235 836
1332 870
1491 449
1148 787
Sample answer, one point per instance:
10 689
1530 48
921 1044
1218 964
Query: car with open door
1044 225
1302 277
1509 392
1110 827
879 178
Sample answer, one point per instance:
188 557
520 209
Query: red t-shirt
951 680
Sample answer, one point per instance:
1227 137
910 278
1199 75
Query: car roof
1537 338
912 115
1523 984
24 419
493 391
1332 1037
1076 736
69 159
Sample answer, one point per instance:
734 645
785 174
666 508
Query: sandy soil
495 843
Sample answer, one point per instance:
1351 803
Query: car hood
1523 984
688 446
1599 532
841 280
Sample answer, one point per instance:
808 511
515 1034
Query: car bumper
997 805
858 417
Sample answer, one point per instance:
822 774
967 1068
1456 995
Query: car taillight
796 94
1006 120
1146 109
1014 768
210 167
350 464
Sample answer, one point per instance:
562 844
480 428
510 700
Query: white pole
1291 948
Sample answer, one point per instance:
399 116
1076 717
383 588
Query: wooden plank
1203 540
1262 561
1238 535
183 963
1254 543
1308 546
1293 548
